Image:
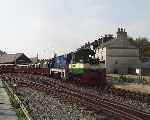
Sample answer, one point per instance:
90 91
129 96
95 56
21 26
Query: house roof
117 43
9 58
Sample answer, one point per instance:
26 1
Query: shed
18 58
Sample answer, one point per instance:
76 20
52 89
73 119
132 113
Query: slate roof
9 58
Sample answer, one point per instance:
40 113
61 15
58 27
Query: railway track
91 101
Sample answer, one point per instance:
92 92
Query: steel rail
88 99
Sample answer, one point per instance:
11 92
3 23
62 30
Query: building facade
118 54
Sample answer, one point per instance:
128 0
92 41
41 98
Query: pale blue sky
44 26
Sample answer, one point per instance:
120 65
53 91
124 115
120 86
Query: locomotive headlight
70 66
79 65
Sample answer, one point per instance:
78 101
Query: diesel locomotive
80 67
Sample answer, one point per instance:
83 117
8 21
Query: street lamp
140 46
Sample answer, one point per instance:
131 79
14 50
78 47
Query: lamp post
140 46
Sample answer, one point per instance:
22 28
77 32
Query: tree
85 55
95 44
142 41
146 51
142 44
132 41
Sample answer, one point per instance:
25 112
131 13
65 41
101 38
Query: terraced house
117 53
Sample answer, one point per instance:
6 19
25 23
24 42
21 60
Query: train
79 67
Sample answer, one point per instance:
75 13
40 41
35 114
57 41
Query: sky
60 26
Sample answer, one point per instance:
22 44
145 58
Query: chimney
121 34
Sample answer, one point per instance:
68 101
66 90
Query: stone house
117 53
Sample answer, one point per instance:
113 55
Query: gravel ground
135 104
47 107
135 88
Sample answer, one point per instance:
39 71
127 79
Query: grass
127 80
123 80
20 114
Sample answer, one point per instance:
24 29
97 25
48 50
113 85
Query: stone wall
120 64
116 52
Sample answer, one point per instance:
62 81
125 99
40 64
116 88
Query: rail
89 100
18 100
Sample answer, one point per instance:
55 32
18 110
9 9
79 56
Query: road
6 110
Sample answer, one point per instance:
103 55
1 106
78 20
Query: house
117 53
15 59
2 53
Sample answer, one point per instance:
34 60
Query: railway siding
6 110
18 101
87 99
